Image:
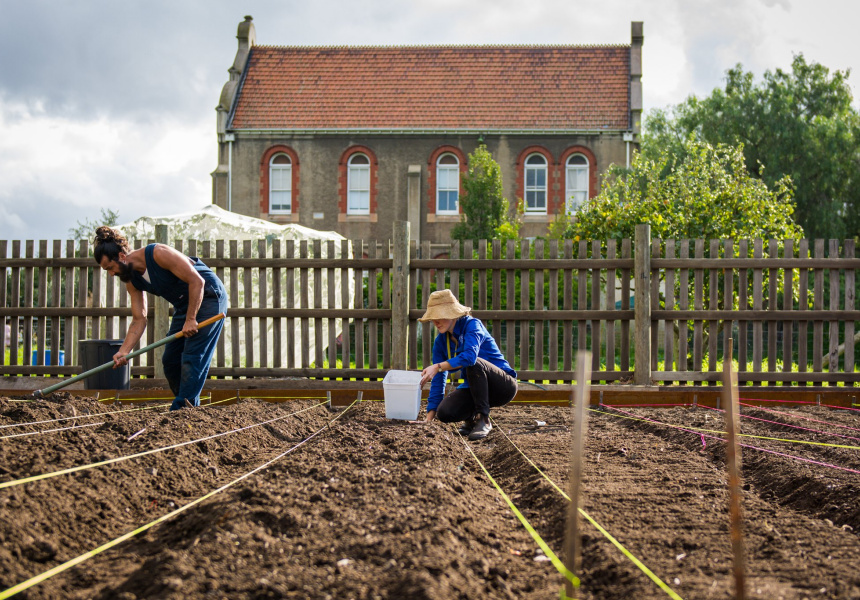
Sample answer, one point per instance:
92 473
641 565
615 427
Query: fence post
400 300
161 316
642 305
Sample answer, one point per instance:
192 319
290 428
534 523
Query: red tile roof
435 87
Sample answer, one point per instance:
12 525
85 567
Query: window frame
569 207
535 188
449 167
350 168
288 179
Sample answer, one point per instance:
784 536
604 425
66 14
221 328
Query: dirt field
371 508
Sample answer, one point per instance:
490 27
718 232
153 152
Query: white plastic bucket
402 394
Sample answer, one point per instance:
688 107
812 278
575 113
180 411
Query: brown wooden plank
803 295
772 305
683 304
319 352
221 348
552 334
596 325
263 292
496 300
248 302
511 303
728 302
41 299
525 302
56 288
611 249
582 297
654 299
82 332
427 333
669 334
538 338
70 346
698 304
469 253
234 301
413 304
482 277
625 305
787 304
818 304
743 304
373 302
850 279
358 277
758 301
331 299
833 334
567 300
346 301
277 303
386 304
713 303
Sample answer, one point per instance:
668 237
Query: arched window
447 185
358 198
280 184
576 187
535 188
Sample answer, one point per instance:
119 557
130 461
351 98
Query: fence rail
650 311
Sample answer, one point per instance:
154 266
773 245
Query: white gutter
229 137
425 131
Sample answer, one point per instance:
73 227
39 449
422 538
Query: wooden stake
579 399
733 463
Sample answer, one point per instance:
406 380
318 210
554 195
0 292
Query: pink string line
848 437
779 412
799 402
800 458
684 404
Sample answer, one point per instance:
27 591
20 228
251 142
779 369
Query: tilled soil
370 508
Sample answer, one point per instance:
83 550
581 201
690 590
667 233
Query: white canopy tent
213 223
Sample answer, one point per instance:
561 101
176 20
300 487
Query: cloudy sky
110 103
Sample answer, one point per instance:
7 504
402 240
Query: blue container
35 357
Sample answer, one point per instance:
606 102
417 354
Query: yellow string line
699 429
663 586
14 435
87 555
16 482
110 412
556 562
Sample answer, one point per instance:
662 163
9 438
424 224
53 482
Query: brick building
351 138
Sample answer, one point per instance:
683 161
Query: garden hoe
109 365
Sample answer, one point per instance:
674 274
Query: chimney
636 41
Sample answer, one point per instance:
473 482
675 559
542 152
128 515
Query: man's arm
137 327
180 265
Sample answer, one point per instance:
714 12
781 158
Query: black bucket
95 353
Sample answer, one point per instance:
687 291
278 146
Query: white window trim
349 170
568 190
456 168
527 189
289 169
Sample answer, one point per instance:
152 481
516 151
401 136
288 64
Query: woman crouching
464 343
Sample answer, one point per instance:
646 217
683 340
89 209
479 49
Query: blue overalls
186 360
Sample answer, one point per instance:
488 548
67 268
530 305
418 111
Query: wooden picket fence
649 311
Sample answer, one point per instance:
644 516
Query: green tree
87 227
799 124
707 193
485 209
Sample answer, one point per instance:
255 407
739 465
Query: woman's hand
431 415
429 373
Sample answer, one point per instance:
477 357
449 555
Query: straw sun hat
443 305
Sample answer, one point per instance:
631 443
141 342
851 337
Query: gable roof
435 88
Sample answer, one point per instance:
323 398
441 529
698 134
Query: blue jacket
469 341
